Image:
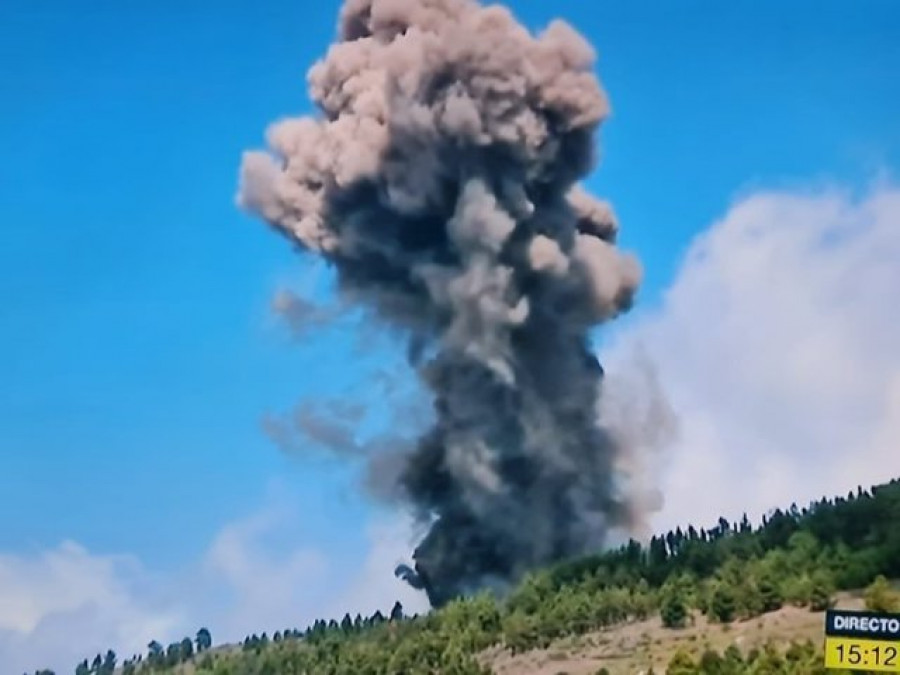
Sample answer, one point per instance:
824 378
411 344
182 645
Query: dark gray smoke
441 181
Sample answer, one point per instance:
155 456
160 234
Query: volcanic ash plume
441 181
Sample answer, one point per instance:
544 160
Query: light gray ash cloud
441 180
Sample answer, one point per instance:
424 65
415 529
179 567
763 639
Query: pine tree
673 610
769 592
821 591
723 604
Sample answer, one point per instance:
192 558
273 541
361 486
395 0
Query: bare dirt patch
635 648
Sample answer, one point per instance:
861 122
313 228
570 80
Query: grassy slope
635 647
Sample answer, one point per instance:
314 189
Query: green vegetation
880 597
158 659
731 572
798 659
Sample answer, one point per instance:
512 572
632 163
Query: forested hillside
728 573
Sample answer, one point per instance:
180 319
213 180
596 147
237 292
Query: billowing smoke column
441 181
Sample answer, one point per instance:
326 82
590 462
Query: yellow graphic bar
859 654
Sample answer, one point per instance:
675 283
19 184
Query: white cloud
62 605
261 588
778 345
269 591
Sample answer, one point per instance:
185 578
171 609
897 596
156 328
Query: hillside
640 646
739 597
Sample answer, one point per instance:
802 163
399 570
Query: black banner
867 625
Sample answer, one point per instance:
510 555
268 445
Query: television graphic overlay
868 641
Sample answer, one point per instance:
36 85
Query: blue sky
137 350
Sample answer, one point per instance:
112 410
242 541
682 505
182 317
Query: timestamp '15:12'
862 654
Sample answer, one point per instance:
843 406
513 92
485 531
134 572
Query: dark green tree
108 667
203 640
154 652
673 610
821 591
173 654
723 604
769 592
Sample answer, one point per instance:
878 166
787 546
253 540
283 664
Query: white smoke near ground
777 347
